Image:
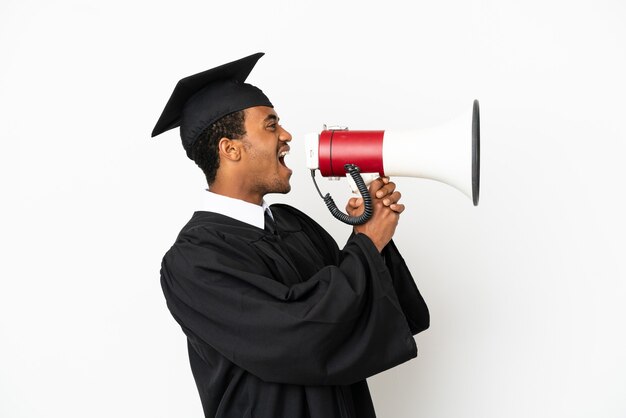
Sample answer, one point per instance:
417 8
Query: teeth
282 154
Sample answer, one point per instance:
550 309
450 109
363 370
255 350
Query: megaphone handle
354 172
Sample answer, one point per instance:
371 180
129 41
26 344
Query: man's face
265 146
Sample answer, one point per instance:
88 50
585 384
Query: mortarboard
201 99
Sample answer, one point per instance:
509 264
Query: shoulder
210 240
214 226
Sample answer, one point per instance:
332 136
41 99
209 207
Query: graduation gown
287 324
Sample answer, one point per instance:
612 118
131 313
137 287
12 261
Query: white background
526 290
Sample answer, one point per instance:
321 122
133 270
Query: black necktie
270 225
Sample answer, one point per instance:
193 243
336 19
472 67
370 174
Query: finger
392 198
355 202
375 186
353 205
386 190
397 207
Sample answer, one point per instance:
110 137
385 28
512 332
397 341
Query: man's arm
385 198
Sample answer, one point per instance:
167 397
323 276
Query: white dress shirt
237 209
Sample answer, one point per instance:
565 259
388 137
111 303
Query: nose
284 135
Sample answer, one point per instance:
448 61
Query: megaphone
449 153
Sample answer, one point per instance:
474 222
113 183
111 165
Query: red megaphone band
340 147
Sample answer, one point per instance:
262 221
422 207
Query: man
279 321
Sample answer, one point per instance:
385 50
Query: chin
284 186
284 189
280 187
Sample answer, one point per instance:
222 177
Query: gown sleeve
412 303
341 325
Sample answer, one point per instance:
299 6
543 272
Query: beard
276 184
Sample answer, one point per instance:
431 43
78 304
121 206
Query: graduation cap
201 99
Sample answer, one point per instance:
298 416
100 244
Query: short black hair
205 151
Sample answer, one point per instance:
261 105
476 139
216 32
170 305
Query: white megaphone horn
449 153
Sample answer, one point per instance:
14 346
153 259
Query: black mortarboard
201 99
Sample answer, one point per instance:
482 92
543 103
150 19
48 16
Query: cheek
261 159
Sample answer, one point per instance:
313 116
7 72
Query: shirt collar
237 209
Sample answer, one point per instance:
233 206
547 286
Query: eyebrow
271 117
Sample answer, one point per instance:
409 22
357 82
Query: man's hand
382 225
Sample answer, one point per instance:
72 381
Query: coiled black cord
354 172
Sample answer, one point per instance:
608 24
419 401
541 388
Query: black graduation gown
288 325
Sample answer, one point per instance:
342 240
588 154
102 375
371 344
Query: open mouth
281 157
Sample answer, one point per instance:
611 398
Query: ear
229 149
